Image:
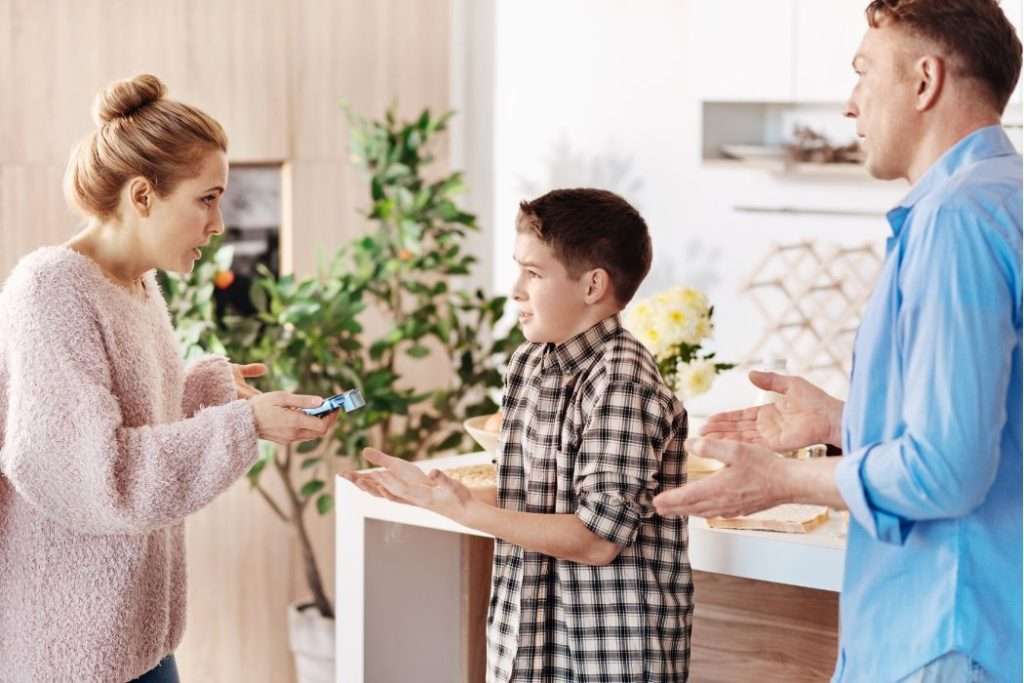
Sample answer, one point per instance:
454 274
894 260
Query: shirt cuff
880 525
606 512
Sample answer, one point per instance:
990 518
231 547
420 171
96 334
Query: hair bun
123 98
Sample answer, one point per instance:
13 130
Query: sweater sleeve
66 449
209 381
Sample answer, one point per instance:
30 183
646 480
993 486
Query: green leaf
311 487
311 462
418 351
324 503
308 446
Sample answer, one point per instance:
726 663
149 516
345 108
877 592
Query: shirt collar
576 353
984 143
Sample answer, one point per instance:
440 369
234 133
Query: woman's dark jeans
165 672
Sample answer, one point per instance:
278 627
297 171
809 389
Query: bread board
790 518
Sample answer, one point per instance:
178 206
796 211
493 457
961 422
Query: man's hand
803 415
754 479
403 482
244 372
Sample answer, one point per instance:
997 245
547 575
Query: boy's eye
208 200
533 273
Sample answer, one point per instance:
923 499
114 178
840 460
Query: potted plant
312 333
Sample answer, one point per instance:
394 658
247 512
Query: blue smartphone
349 400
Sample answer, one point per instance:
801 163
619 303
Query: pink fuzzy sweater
106 444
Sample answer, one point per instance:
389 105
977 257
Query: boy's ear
598 285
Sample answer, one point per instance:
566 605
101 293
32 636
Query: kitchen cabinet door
827 36
742 50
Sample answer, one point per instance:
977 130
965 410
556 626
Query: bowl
487 439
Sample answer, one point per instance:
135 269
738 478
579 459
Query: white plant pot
312 643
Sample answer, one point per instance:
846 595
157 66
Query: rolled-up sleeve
618 460
955 338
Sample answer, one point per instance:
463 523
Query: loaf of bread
475 476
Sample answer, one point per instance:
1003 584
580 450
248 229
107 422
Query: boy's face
552 305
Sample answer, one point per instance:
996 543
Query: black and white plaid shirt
603 435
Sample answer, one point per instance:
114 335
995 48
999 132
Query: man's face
883 101
551 303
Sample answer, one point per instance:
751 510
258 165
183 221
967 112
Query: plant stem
312 572
273 504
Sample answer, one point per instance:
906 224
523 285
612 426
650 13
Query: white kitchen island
401 591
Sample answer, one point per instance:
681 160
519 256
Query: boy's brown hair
980 40
587 229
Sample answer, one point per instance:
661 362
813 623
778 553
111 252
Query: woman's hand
244 372
279 417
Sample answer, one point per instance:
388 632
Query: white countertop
812 560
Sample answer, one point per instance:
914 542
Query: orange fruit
223 279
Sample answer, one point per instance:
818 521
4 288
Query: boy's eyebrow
215 187
528 264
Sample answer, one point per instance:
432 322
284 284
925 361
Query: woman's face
185 220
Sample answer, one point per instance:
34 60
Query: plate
747 152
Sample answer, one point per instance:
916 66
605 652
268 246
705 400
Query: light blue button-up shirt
932 429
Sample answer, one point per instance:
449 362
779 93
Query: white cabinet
743 50
827 35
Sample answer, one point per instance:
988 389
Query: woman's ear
598 284
141 195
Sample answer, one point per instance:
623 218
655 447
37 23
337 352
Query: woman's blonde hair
139 133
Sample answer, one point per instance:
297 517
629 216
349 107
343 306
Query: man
931 432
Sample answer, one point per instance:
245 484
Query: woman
107 443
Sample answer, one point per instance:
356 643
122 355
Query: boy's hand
403 482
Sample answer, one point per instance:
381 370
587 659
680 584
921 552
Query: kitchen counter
399 578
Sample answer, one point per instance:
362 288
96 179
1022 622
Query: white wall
600 93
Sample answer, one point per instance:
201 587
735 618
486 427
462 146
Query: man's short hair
587 229
976 33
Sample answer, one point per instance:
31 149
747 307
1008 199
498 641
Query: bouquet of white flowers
673 325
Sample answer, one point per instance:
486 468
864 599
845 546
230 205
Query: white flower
694 378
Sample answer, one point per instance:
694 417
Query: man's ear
141 195
598 285
929 74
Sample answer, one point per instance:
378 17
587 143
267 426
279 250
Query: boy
588 584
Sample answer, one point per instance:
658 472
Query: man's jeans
952 667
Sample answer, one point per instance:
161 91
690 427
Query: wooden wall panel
32 210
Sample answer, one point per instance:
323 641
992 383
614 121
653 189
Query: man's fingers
746 436
732 416
770 381
718 449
